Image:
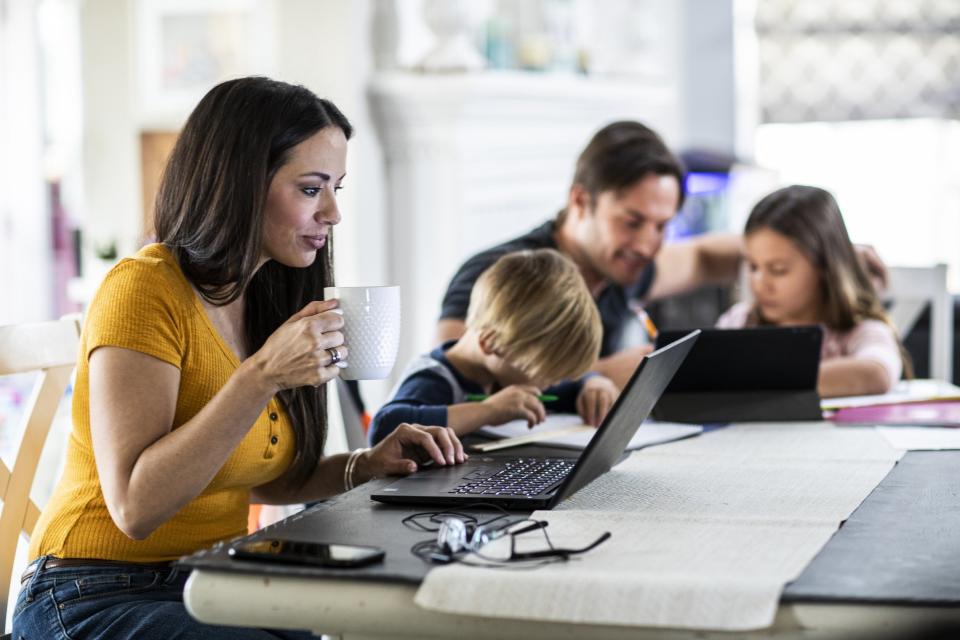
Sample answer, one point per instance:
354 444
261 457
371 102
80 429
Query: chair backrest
911 290
49 348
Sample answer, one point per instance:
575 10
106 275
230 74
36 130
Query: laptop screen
630 410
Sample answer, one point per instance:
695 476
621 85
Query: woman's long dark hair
210 211
810 217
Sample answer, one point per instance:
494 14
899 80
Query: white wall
111 208
25 240
322 44
708 100
334 58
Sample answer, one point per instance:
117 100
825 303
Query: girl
804 270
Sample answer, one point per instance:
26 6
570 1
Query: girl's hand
406 448
297 353
595 399
516 402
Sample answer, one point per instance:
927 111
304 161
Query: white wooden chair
49 348
911 290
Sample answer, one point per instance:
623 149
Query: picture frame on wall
184 47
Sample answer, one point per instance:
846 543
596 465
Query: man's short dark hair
623 153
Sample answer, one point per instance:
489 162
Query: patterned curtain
838 60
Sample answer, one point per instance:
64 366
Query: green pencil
480 397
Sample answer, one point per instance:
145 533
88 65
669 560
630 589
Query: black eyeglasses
457 532
455 529
460 534
560 552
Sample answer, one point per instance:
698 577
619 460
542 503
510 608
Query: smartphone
317 554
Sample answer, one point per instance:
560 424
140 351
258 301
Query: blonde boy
532 331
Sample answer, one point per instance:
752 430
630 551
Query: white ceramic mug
371 329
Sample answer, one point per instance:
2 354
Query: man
626 188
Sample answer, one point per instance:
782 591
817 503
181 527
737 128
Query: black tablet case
758 374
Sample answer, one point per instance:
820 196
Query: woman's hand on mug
304 350
407 448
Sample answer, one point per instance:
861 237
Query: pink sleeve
875 340
735 317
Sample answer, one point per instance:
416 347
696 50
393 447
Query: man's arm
621 365
712 258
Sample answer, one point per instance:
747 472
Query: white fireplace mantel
474 159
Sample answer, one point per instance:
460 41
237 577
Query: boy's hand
516 402
596 397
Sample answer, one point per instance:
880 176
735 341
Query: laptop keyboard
522 476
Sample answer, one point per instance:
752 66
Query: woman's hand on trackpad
410 447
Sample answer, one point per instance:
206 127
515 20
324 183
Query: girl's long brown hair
811 219
210 211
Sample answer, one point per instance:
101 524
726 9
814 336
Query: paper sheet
705 532
921 438
649 433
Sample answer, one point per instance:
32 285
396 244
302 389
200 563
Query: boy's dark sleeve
566 392
422 398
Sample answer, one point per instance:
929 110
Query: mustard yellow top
146 304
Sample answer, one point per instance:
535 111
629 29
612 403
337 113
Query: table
890 568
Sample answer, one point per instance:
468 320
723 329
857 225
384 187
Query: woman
200 379
804 270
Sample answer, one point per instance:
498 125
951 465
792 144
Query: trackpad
469 470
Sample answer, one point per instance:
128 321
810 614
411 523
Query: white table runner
705 532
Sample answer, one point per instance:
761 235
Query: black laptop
745 375
540 483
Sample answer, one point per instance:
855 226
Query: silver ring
334 355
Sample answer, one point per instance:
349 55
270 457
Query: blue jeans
116 603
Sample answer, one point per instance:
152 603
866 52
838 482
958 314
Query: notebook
919 414
568 431
531 483
916 390
758 374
